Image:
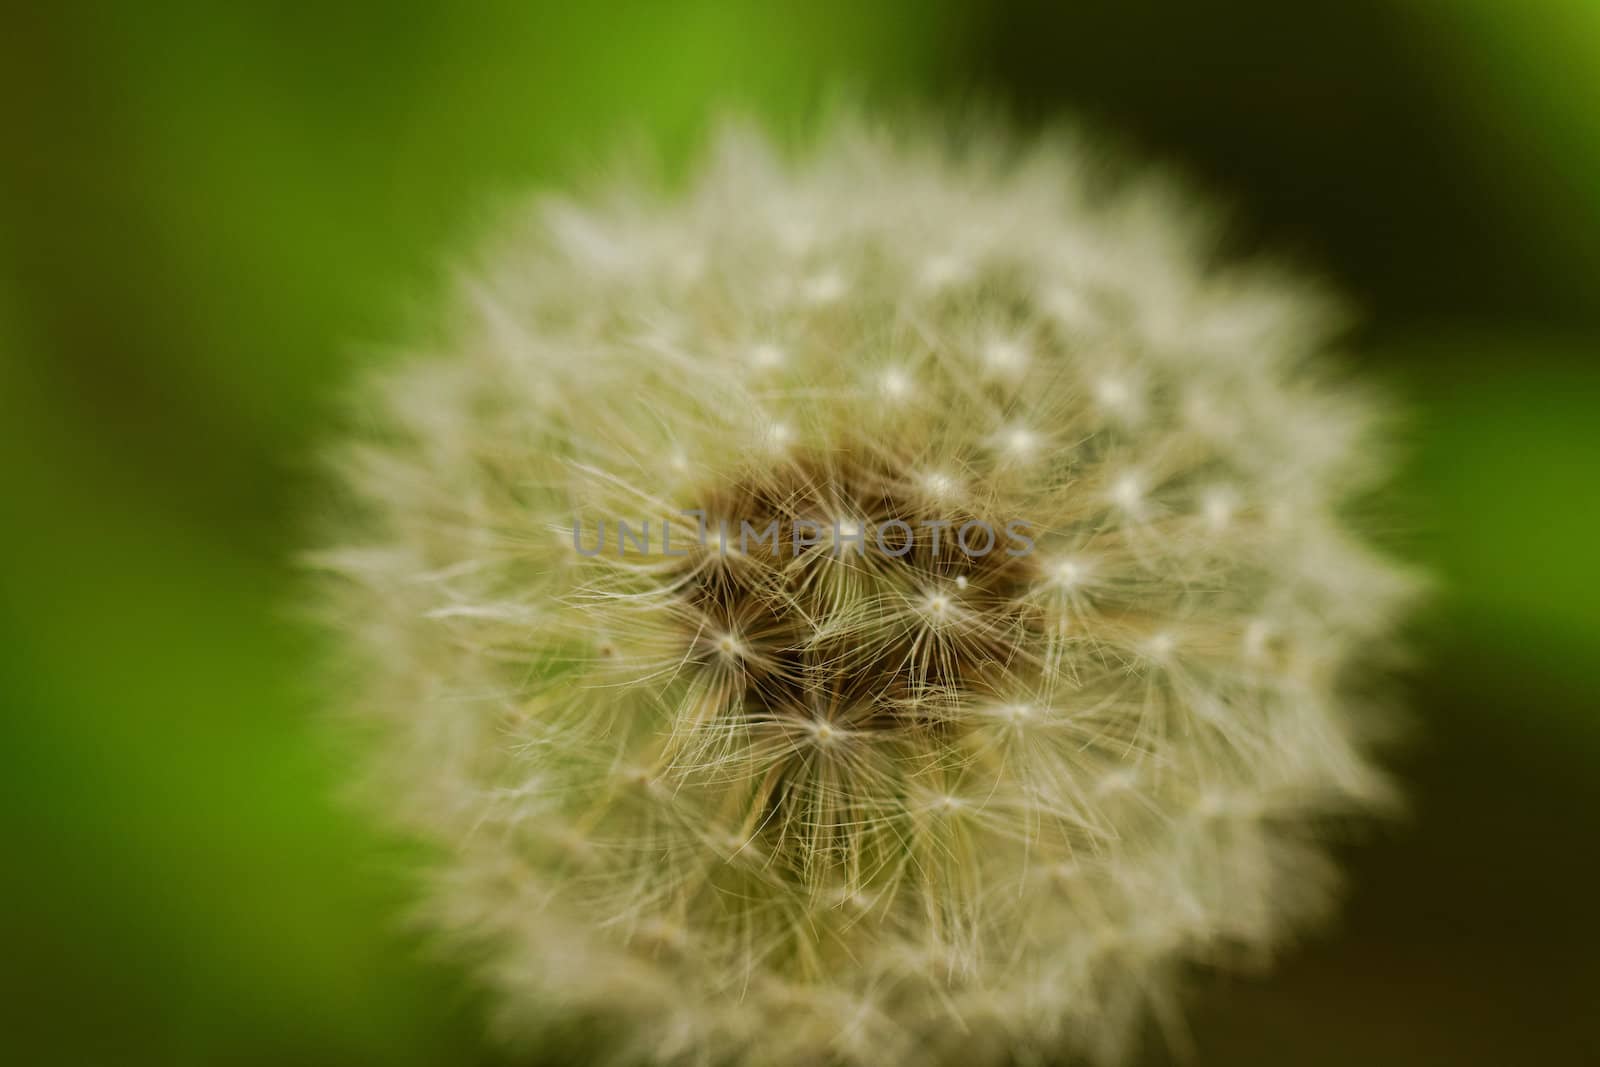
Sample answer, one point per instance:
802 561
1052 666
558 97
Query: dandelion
846 804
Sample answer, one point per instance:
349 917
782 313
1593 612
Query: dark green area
211 214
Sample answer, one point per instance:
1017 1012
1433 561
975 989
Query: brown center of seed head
844 598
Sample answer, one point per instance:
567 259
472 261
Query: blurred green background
212 214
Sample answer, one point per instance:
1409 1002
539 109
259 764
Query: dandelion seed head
761 800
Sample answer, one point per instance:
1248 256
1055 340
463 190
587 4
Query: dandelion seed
1067 306
895 384
766 356
825 733
939 485
1005 359
824 289
1159 647
1069 573
1218 505
776 436
1020 442
1016 714
1127 492
942 272
1256 636
1118 399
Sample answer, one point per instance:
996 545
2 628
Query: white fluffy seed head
843 804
